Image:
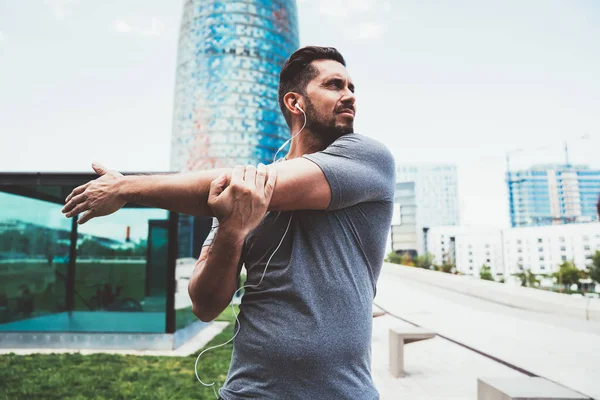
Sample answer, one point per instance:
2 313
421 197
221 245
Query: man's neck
306 143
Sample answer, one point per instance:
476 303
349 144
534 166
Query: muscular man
305 331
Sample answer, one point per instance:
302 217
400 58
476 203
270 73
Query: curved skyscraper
229 57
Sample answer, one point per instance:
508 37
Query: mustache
346 108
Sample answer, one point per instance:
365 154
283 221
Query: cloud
60 8
346 8
365 31
140 26
353 13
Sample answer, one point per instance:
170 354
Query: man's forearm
214 279
185 193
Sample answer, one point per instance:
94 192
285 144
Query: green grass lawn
105 376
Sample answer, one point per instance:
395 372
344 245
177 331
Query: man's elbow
204 314
207 310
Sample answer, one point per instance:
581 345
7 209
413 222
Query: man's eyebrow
339 77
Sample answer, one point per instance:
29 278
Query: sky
463 82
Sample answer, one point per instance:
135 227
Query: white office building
469 248
403 234
435 196
544 248
540 249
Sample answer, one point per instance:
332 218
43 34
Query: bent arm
301 185
214 280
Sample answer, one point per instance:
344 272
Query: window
470 260
541 258
487 246
470 268
542 267
563 248
586 247
540 240
519 241
540 249
488 260
564 258
520 250
520 259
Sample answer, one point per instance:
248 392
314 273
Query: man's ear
290 100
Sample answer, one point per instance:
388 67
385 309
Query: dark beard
325 129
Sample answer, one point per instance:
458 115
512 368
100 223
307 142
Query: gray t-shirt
306 330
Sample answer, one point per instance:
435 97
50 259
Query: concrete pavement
563 350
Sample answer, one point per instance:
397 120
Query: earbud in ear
299 108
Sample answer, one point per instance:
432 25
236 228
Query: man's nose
349 97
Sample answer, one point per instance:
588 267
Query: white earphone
301 129
261 278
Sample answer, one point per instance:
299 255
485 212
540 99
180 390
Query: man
305 331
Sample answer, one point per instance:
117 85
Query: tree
407 260
531 278
447 267
568 274
394 257
424 261
595 267
485 273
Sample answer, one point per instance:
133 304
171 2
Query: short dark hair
298 71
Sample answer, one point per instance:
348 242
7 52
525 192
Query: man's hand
96 198
241 206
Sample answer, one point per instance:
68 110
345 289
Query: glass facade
34 259
553 194
229 57
115 274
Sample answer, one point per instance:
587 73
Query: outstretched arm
301 185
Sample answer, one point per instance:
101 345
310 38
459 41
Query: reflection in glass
34 257
122 271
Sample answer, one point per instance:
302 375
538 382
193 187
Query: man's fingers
99 168
77 210
76 191
80 198
250 175
86 217
270 183
261 174
216 187
237 176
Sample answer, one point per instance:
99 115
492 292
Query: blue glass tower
229 57
553 194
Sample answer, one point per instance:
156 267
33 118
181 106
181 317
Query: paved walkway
560 349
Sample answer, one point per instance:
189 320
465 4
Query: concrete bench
521 388
399 336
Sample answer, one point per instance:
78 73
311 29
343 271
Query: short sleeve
359 169
211 235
